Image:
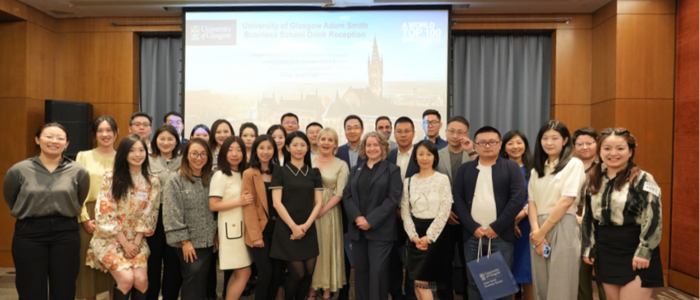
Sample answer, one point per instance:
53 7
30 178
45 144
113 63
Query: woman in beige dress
329 274
97 161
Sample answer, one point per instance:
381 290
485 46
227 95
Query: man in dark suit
349 153
370 199
432 123
488 193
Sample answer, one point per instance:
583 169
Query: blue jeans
470 252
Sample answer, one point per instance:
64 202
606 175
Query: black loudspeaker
76 117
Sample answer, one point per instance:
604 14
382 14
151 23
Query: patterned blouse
431 198
637 205
136 213
186 213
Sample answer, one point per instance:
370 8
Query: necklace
298 171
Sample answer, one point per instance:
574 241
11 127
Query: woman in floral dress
126 211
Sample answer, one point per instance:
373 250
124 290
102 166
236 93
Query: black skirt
429 265
615 247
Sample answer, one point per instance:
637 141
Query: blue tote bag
492 275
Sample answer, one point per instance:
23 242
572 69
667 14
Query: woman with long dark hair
622 220
226 198
127 211
517 149
278 133
261 216
97 161
221 130
553 192
249 133
297 196
189 223
45 194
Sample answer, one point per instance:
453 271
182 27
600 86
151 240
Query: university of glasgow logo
195 33
211 33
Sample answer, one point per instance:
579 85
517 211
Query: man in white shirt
488 193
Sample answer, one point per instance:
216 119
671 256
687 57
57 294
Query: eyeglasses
588 145
290 123
194 155
401 132
457 133
353 128
431 123
138 124
51 137
175 122
489 143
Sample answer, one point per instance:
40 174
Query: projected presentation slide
322 66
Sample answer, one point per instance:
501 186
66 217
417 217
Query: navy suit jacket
343 154
411 170
508 189
384 196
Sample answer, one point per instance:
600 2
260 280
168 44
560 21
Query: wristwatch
471 153
183 243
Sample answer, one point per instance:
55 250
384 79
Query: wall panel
13 59
572 67
41 67
574 116
604 58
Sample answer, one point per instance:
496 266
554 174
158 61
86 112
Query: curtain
161 69
502 81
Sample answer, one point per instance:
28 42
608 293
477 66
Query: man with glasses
290 122
459 150
176 120
140 123
383 126
432 123
488 193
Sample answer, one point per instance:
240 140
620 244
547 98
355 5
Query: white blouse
547 190
431 198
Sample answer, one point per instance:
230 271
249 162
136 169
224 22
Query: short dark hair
109 120
589 131
486 129
198 127
155 151
222 160
140 114
432 112
165 118
355 117
289 115
382 118
405 120
314 124
459 119
428 144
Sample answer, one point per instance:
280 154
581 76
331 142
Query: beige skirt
90 281
556 277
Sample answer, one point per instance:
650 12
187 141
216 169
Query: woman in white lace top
425 209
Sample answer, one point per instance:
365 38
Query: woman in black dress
297 196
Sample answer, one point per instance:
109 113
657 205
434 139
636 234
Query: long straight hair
288 141
627 174
254 160
122 180
186 171
222 162
528 158
567 150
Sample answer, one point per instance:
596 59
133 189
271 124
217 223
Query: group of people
295 211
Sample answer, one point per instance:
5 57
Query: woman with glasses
189 223
278 133
45 194
97 161
164 161
622 221
126 213
553 193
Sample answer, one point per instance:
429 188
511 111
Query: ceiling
162 8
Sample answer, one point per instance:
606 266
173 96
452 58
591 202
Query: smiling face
222 132
248 137
585 147
166 143
327 144
137 155
279 138
353 130
552 143
384 127
515 148
234 156
615 152
404 134
265 151
141 126
176 122
290 124
432 125
297 148
312 134
372 149
105 136
197 156
424 157
52 141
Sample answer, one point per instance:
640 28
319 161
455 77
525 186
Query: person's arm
12 186
176 230
515 201
650 237
106 221
387 209
342 180
277 184
84 215
149 215
83 187
351 209
460 203
573 177
217 190
408 225
532 213
438 224
318 202
253 229
587 229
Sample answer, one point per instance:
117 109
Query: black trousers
396 270
445 292
371 268
270 273
46 248
162 257
195 274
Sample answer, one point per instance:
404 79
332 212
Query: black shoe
138 295
119 295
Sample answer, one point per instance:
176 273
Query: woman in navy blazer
370 199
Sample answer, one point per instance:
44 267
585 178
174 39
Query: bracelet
550 220
183 243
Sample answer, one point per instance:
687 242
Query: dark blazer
411 170
385 193
343 154
508 189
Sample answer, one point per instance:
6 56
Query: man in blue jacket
488 193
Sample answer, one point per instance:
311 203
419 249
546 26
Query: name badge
142 195
649 187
